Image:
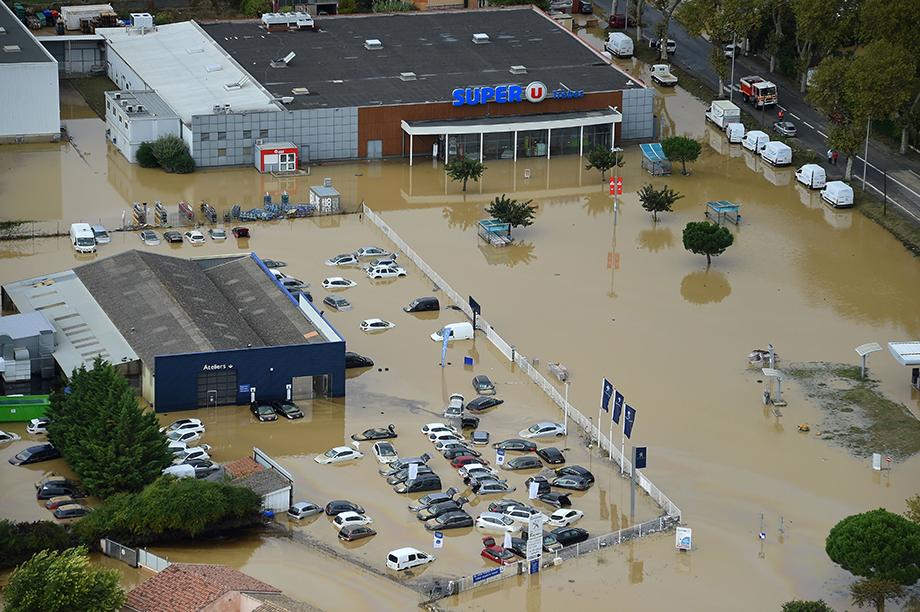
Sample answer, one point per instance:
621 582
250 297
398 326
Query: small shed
276 157
274 488
325 197
723 210
654 160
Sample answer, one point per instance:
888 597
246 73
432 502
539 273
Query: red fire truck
758 91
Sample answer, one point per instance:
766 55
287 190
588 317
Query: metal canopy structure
723 210
654 159
775 374
864 350
906 353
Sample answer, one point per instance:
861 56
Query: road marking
890 199
890 178
820 132
912 172
806 123
794 116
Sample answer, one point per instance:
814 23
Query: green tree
877 544
463 169
347 7
19 541
875 592
392 6
53 581
666 8
820 27
145 156
255 8
705 238
108 440
682 149
172 154
800 605
913 509
507 210
658 200
603 159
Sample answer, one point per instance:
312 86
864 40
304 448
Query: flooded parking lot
606 295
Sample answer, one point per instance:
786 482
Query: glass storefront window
597 136
498 146
564 141
531 143
463 145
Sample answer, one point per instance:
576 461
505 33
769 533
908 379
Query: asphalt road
903 181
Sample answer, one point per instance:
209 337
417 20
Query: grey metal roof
167 305
154 105
263 482
16 34
24 325
437 46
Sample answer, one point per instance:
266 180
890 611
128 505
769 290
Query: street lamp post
866 154
731 79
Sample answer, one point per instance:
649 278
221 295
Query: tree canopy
19 541
705 238
102 432
53 581
508 210
463 169
682 149
875 592
658 200
877 544
799 605
603 159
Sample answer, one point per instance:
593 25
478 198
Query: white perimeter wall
29 100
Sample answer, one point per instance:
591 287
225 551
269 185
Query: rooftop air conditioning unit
234 86
117 96
300 91
11 49
480 38
2 30
518 70
284 61
373 44
407 76
215 108
140 108
130 108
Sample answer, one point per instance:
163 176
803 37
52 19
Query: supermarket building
494 84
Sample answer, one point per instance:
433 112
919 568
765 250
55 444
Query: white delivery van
457 331
82 238
407 558
838 194
735 132
812 176
723 112
755 140
777 153
619 45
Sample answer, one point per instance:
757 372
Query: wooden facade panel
383 122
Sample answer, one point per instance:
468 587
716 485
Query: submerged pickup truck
661 74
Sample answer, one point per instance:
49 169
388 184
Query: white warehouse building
133 117
29 95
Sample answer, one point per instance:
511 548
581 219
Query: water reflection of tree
464 215
666 126
598 205
511 255
656 239
705 287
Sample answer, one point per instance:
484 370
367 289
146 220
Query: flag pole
613 399
600 408
623 440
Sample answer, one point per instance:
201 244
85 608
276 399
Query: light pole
565 410
731 79
866 154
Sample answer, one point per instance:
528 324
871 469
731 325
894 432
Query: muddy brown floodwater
606 294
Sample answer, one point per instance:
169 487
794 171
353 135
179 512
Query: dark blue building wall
269 369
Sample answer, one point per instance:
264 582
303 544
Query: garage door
217 388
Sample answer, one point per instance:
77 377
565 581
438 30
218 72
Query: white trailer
723 112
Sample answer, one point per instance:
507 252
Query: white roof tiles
187 69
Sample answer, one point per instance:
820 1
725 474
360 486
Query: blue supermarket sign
486 574
534 92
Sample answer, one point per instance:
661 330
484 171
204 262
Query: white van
812 176
457 331
619 45
777 153
735 132
838 194
407 558
180 471
755 140
82 238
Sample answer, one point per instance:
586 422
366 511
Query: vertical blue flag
630 420
606 393
445 336
617 406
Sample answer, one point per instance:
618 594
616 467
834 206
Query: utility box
326 198
277 157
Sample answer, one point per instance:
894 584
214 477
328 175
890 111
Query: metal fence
135 557
153 562
610 451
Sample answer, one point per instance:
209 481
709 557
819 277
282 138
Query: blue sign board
508 94
486 574
534 566
244 388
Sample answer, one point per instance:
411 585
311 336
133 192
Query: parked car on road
543 429
303 509
337 282
376 433
337 506
338 455
287 409
149 238
619 20
785 128
374 325
350 533
337 302
35 454
263 411
354 360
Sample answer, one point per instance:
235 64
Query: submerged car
433 498
149 238
337 506
500 555
564 517
495 522
371 251
551 455
423 304
303 509
483 403
70 512
194 237
35 454
436 510
354 360
525 462
483 385
376 433
555 499
423 482
515 444
217 233
566 536
337 302
57 489
543 429
338 455
402 475
345 259
491 487
459 450
58 501
577 483
575 470
287 409
38 427
350 533
456 519
240 232
6 436
263 411
172 236
454 406
386 272
385 452
479 438
373 325
337 282
350 518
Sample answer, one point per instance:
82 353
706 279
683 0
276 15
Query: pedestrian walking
780 114
834 157
830 156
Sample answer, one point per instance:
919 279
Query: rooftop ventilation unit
130 108
300 91
407 76
284 61
373 44
11 49
480 38
2 30
193 50
140 108
287 99
235 86
213 67
518 70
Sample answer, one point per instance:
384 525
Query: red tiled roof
242 467
188 587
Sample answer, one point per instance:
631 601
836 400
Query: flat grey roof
24 325
154 106
18 35
82 330
166 305
437 46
